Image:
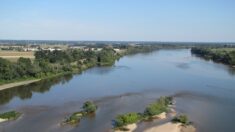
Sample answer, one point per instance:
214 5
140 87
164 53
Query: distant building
117 50
30 49
77 47
52 49
96 49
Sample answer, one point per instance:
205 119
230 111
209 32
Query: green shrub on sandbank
183 119
125 119
88 108
11 115
155 108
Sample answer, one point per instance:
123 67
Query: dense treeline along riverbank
59 62
53 63
225 55
47 64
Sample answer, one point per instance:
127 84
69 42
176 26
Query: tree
106 57
7 70
25 67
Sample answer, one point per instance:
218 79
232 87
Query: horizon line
118 41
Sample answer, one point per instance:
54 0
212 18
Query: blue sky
126 20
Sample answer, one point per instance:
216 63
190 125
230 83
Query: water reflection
183 65
26 92
106 70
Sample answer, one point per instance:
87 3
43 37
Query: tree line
47 63
222 55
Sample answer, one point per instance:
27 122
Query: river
203 90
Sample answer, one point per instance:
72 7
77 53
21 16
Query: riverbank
220 55
29 81
15 84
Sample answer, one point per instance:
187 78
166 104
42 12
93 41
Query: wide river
203 90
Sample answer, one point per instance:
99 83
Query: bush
129 118
181 119
11 115
74 118
161 105
89 107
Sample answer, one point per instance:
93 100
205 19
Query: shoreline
166 127
171 127
3 120
26 82
15 84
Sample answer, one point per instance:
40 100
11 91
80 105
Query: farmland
14 55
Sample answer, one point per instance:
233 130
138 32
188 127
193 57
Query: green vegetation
87 109
161 105
181 119
48 63
74 118
11 115
141 49
222 55
129 118
52 63
107 57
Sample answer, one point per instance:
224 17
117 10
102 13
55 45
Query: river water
203 90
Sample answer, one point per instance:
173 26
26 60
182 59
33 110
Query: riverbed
202 89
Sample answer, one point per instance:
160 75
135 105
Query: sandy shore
168 127
10 85
2 120
171 127
160 116
130 128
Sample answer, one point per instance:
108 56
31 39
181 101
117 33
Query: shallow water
203 90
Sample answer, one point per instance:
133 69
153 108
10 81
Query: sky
118 20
